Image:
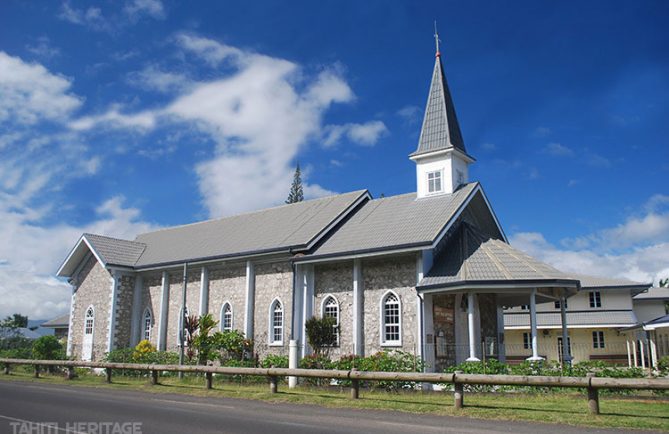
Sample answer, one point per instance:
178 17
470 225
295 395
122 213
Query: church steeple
441 158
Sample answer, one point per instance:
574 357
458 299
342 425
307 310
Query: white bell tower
442 163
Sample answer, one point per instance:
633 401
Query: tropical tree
296 193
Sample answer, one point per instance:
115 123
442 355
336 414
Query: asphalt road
27 407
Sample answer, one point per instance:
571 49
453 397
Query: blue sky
119 117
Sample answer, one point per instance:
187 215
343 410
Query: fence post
71 373
292 362
36 371
154 377
6 368
273 386
355 387
210 379
108 372
458 392
593 396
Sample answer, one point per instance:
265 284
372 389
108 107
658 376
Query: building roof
22 332
395 222
660 322
114 251
654 293
57 323
578 319
294 226
471 257
596 282
440 130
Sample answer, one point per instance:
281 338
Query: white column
111 324
636 362
501 349
566 353
136 318
533 326
307 303
629 354
250 299
471 325
204 291
358 309
164 306
70 328
292 362
643 357
652 349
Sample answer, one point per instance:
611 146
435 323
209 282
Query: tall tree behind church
296 193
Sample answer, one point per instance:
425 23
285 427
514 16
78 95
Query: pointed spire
440 129
436 39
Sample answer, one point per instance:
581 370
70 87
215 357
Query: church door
87 344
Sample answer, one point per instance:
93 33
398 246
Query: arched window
391 319
226 317
88 324
147 323
276 323
330 308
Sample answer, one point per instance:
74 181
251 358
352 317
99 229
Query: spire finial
436 38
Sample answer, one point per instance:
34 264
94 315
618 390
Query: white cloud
488 146
91 18
153 8
154 78
212 52
599 161
113 118
637 249
366 134
410 114
558 150
42 48
30 92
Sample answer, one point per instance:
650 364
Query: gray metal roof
114 251
284 227
592 282
440 125
59 322
394 222
653 293
471 256
619 318
657 321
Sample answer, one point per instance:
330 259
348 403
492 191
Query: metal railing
591 383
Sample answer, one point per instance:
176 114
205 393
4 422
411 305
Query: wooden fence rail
591 383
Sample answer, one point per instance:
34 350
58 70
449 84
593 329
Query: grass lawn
566 408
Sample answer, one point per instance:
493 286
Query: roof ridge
360 192
112 238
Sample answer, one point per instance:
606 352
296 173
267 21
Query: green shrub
321 334
47 348
663 365
273 361
232 344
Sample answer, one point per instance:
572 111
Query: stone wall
152 288
92 287
123 319
273 281
336 280
380 275
175 295
228 283
488 313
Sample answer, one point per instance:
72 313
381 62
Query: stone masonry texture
274 280
336 280
228 283
123 319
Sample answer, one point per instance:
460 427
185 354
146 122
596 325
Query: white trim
164 307
221 319
249 300
306 277
76 247
420 323
429 193
271 342
136 319
68 351
89 356
358 311
204 291
338 324
557 327
382 320
111 324
440 152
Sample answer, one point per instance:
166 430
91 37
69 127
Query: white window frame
92 318
440 177
382 320
598 341
527 341
558 302
337 318
147 315
221 324
595 300
273 342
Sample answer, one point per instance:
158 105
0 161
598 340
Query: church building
428 272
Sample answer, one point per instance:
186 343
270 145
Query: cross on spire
436 38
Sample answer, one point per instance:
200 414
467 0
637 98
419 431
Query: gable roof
471 258
284 228
596 282
440 130
107 250
654 293
59 322
396 222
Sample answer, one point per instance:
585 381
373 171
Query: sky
120 117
